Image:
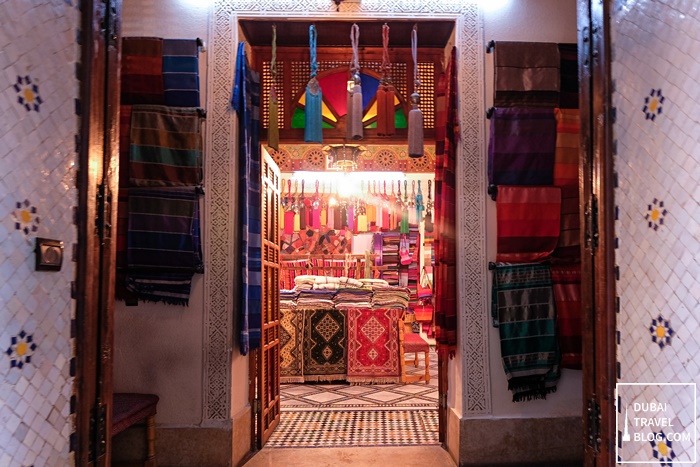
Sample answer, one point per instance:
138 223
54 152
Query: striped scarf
522 308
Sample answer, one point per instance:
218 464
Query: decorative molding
221 183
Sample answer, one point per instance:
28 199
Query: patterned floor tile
356 428
313 396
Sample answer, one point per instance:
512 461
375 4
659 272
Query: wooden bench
131 408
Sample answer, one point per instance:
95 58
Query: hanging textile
526 74
569 244
566 281
163 243
567 147
273 132
181 72
354 98
165 146
142 71
313 127
528 223
386 123
522 308
445 198
291 345
415 117
325 344
373 345
522 146
245 101
568 96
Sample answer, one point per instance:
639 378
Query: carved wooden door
268 371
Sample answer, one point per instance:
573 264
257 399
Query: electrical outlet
49 254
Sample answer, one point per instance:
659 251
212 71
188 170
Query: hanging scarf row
371 211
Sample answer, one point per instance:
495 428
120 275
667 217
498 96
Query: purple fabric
522 146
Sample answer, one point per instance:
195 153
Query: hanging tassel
385 93
273 132
415 117
429 210
354 102
313 128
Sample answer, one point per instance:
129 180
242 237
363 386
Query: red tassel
381 120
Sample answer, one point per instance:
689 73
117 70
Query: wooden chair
129 409
410 342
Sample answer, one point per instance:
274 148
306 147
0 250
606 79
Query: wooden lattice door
268 371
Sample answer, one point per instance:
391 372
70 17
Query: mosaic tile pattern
334 397
656 47
38 89
356 428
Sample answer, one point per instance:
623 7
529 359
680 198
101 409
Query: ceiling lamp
342 157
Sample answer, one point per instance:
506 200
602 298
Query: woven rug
297 397
357 428
325 345
373 345
291 346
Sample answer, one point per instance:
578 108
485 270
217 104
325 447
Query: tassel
415 117
354 102
290 220
415 129
313 127
273 134
381 114
385 93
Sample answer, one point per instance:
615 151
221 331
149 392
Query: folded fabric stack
304 282
374 283
390 297
353 298
288 299
316 299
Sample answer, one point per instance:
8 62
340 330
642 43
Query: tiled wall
38 88
656 65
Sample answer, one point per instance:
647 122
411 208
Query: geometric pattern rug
355 428
373 345
344 397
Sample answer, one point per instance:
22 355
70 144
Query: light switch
49 254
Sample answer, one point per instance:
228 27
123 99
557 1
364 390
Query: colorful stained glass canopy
334 85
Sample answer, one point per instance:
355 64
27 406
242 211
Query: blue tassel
313 130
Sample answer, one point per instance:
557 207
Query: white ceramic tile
655 45
36 153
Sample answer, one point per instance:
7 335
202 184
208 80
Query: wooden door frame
597 180
98 164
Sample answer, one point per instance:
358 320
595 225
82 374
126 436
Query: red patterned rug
373 345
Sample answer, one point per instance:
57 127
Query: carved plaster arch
221 184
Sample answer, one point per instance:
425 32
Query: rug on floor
373 345
341 396
291 342
355 428
325 345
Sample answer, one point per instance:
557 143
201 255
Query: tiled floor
356 428
344 415
406 456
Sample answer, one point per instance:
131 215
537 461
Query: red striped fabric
528 223
566 280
